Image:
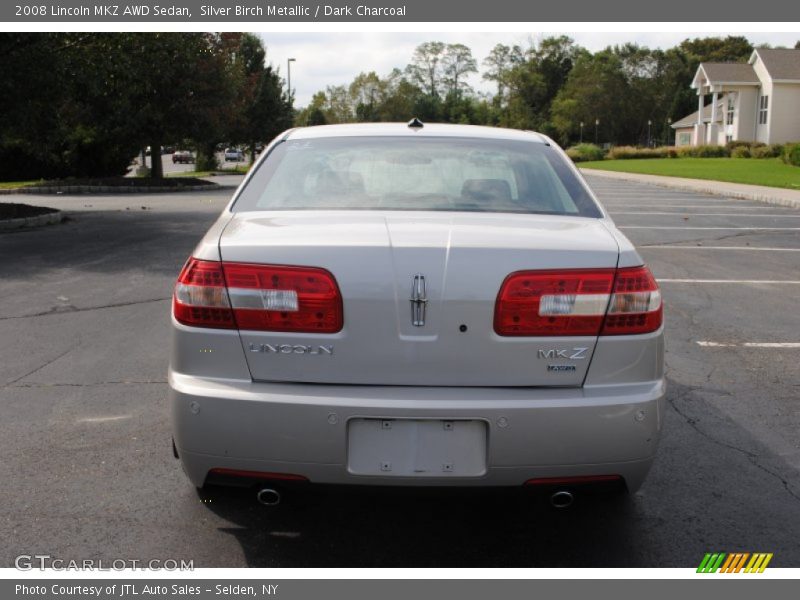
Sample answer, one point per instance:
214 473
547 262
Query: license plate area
416 447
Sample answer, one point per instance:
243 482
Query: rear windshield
430 174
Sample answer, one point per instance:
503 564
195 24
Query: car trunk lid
382 261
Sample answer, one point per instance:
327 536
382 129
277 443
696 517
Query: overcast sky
336 58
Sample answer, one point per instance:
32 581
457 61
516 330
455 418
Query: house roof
710 73
782 64
690 120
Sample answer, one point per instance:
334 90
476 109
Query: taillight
635 305
258 297
552 303
282 298
200 297
578 302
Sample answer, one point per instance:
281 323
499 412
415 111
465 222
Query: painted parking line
753 248
739 281
688 214
706 344
709 228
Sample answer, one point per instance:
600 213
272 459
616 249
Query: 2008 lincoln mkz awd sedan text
416 305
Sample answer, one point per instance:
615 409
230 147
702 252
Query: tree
400 98
188 95
595 89
60 112
499 63
264 109
425 69
367 92
457 63
534 79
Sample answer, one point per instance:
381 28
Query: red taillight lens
578 302
258 297
635 305
282 298
200 297
553 303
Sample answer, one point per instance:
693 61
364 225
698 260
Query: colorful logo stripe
735 562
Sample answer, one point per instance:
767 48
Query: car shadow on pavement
402 527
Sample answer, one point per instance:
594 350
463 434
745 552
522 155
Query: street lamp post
289 62
596 125
581 132
669 134
649 139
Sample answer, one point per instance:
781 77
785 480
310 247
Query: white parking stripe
756 248
768 281
710 228
750 345
103 419
688 214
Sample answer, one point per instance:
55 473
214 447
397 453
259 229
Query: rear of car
234 155
437 305
183 157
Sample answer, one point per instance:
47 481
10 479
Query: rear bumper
302 428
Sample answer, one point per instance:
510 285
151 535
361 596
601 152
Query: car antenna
415 123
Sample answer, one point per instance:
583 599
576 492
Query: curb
108 189
701 188
37 221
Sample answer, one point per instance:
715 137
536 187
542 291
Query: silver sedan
416 305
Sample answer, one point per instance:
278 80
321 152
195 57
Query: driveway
88 468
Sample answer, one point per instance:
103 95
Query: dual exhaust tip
271 497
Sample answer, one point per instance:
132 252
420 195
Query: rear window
430 174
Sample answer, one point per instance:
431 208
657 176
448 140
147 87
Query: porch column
699 134
712 127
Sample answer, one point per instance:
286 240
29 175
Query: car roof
403 130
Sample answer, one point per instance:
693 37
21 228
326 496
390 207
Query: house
757 101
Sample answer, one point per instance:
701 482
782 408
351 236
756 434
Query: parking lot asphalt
84 431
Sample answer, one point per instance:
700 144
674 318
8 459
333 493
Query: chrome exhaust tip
268 497
562 499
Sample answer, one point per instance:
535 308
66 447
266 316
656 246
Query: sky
324 59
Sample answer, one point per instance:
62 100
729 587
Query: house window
684 139
763 106
728 138
731 108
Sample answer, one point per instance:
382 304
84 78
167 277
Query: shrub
791 154
625 152
704 151
584 152
764 151
741 152
732 145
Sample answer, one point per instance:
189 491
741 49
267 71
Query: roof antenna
415 123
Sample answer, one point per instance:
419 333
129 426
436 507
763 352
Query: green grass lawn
237 170
756 171
10 185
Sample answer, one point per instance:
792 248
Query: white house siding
683 136
762 131
744 121
785 113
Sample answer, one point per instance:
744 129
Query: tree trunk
156 167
